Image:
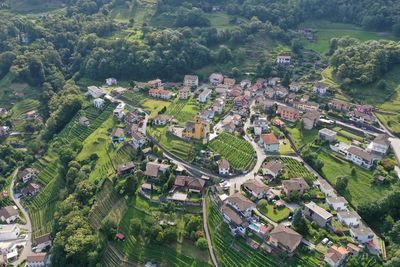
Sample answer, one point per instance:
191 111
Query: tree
381 85
297 217
109 228
341 183
202 243
135 227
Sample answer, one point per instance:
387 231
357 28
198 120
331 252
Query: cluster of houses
27 178
361 114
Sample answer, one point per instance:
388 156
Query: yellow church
198 129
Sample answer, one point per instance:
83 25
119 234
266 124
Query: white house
205 95
294 86
138 139
359 157
256 188
327 135
337 203
191 80
8 214
119 111
237 223
320 88
111 81
274 81
348 218
260 125
161 120
241 204
27 174
216 78
95 91
379 145
223 167
270 142
362 234
283 59
272 168
36 260
9 232
43 242
98 103
325 188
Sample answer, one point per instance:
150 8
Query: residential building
84 121
272 168
288 113
191 80
310 119
216 78
229 82
362 117
119 111
218 106
353 249
295 186
160 93
27 174
154 169
269 92
223 167
205 95
281 92
9 232
306 105
36 260
154 83
161 120
237 223
199 129
325 187
274 81
98 103
184 92
285 238
317 214
4 131
336 256
241 204
95 91
222 89
380 145
31 189
43 242
189 183
245 84
340 105
270 142
295 86
283 59
138 138
118 135
111 81
256 188
126 168
359 157
362 234
337 203
366 109
260 125
320 88
327 135
8 214
348 218
31 115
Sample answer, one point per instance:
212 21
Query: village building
154 169
320 88
269 92
283 59
184 92
218 106
310 119
255 188
348 218
337 203
119 111
336 256
199 129
245 84
353 249
205 95
84 121
288 113
31 189
95 91
327 135
274 81
272 168
98 103
8 214
317 214
43 242
295 86
241 204
9 232
325 187
229 82
31 115
111 81
216 78
340 105
138 138
306 105
366 109
223 167
27 174
260 125
295 186
380 145
361 117
126 168
189 183
237 223
362 234
281 92
270 142
4 131
37 260
154 83
285 238
360 157
160 93
117 135
161 120
191 80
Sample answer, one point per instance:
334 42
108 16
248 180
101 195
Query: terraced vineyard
135 99
236 150
295 169
231 251
107 201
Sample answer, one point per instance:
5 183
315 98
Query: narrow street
207 232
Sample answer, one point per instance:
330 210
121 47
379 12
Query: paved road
207 232
28 226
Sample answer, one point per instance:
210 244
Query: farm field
231 251
183 110
360 188
153 106
294 169
236 150
328 30
302 137
275 214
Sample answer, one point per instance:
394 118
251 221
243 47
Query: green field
236 150
28 6
151 105
294 169
275 214
328 30
300 137
219 20
140 11
361 188
183 110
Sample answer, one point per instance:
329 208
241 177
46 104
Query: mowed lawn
275 214
325 31
361 188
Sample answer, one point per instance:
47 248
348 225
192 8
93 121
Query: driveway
28 226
